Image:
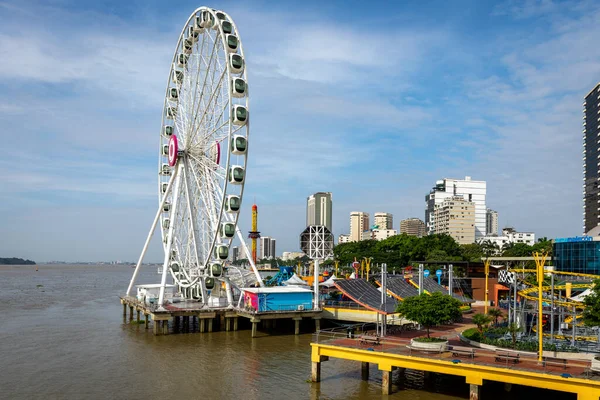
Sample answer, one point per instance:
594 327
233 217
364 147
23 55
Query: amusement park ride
202 162
202 158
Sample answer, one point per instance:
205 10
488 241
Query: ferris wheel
202 156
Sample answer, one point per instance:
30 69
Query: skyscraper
491 222
359 222
384 220
469 190
591 152
413 227
267 247
319 209
235 253
273 254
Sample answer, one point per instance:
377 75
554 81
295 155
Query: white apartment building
469 190
290 255
382 234
359 222
384 220
491 222
343 238
509 235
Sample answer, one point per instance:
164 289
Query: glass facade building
591 153
581 255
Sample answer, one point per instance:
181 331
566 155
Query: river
62 336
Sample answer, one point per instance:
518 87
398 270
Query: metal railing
342 304
526 361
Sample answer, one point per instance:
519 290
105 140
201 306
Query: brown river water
62 336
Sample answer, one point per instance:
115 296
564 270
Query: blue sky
371 101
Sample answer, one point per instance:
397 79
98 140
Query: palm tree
495 313
513 329
481 320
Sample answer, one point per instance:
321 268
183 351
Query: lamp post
540 261
337 264
486 265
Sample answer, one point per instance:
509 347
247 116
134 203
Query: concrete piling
364 371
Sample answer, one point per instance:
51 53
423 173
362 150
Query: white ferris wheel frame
193 228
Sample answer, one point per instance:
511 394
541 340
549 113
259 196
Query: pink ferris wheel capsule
173 149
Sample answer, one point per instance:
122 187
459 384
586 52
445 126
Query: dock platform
396 353
192 316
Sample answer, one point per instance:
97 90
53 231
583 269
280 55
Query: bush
472 334
526 345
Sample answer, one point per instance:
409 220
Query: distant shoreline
16 261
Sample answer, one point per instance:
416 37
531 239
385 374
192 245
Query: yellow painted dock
389 355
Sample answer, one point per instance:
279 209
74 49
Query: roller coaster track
526 293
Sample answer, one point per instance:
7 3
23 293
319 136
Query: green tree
495 313
489 248
482 321
430 310
591 312
513 329
517 250
472 252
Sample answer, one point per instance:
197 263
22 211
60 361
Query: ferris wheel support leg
193 222
229 293
249 257
150 234
163 281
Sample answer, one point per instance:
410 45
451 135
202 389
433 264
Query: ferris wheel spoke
191 211
194 108
208 134
207 108
203 189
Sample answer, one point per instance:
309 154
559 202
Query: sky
373 102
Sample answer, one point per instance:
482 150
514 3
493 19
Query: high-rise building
384 220
413 227
359 222
491 222
469 190
455 216
591 153
273 254
319 209
267 247
235 253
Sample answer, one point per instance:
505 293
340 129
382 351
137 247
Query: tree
430 310
482 321
472 252
495 313
517 250
489 248
591 313
513 329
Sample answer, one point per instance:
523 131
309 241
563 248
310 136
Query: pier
190 316
476 365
